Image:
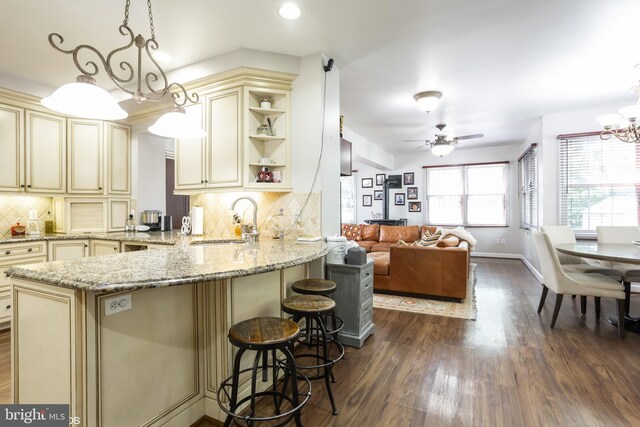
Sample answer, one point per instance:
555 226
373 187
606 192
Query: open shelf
271 165
267 111
266 138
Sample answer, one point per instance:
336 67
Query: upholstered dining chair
563 283
560 234
629 272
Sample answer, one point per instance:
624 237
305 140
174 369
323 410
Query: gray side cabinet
354 300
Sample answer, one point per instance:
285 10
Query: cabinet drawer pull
21 185
86 246
8 253
99 188
30 250
29 185
202 181
8 307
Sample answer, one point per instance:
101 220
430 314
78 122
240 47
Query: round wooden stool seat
314 286
263 332
304 304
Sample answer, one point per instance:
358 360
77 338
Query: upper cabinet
86 160
247 119
118 158
45 152
11 148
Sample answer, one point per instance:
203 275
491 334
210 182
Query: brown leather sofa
422 270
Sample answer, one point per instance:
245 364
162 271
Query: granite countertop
178 265
153 237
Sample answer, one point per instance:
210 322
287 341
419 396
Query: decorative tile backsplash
16 209
218 218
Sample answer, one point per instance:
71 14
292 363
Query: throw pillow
447 242
352 231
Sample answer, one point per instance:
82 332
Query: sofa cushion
380 263
428 229
448 242
382 246
394 233
367 244
370 232
352 231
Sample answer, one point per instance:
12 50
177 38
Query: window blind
528 188
599 182
468 195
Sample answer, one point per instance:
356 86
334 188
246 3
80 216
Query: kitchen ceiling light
442 148
289 11
428 101
84 99
78 99
624 126
176 124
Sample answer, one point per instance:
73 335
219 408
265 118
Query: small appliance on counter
166 223
18 229
152 220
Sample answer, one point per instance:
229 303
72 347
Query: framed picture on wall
380 177
366 200
367 183
415 206
412 193
409 178
399 199
378 195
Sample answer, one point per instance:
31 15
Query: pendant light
85 99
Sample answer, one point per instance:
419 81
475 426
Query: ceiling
500 63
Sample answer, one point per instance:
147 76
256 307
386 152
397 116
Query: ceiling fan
443 144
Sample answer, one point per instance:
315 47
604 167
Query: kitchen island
140 338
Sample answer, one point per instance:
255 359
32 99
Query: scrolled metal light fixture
624 126
85 99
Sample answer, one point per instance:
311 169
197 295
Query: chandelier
624 125
443 145
85 99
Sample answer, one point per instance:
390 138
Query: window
599 182
469 195
528 188
348 200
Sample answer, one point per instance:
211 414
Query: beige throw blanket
461 234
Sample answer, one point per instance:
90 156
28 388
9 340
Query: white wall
410 162
367 153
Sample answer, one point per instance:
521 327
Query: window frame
528 161
465 193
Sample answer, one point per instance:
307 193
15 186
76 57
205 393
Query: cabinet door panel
190 156
118 159
224 149
11 147
84 145
104 247
46 152
68 249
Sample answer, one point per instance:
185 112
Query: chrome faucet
254 234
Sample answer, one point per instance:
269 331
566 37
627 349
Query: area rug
464 310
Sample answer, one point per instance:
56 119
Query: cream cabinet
60 250
190 156
104 247
118 158
247 119
11 148
45 152
224 139
214 161
85 156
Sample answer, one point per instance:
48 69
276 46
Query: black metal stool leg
234 392
254 380
327 368
274 380
291 362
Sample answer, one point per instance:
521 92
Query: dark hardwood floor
507 368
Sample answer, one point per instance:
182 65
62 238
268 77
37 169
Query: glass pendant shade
631 113
609 121
176 124
84 99
442 149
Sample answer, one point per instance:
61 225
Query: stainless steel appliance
166 223
151 219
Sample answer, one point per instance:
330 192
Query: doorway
177 205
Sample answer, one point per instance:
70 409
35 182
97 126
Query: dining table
626 253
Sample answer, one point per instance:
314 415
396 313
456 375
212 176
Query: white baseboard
532 269
495 255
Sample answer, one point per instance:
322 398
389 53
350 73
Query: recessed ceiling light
289 11
161 56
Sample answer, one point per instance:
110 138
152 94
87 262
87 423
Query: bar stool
314 309
264 335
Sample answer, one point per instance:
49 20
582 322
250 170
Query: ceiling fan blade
475 135
415 140
422 146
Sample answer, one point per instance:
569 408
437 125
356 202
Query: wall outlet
33 215
117 304
503 241
497 240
